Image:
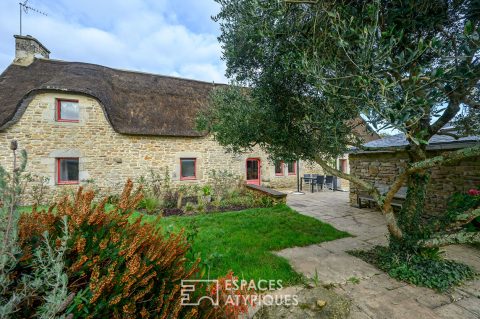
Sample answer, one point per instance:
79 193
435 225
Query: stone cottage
386 158
80 122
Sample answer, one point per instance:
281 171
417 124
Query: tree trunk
410 216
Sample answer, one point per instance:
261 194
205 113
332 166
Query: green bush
427 269
37 288
150 204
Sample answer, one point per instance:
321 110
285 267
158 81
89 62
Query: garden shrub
223 182
37 289
427 269
117 265
459 203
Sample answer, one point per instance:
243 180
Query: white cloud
157 36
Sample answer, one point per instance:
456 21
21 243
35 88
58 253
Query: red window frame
59 113
189 178
343 165
282 164
59 180
294 163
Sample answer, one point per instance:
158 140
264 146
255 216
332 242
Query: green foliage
428 270
207 190
150 204
49 274
39 189
37 288
189 208
223 182
305 72
458 204
311 69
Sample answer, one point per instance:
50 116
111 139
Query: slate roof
437 142
134 102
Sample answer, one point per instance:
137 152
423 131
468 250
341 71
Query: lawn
243 241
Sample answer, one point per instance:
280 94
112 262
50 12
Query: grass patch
243 241
436 273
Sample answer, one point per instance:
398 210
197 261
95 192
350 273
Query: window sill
67 121
68 183
188 178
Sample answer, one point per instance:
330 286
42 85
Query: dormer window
67 110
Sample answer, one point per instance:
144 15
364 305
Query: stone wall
382 168
110 158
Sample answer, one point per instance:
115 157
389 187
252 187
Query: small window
292 168
67 111
188 168
67 170
343 165
279 168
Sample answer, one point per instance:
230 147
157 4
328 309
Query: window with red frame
279 168
188 168
67 110
292 168
67 170
343 165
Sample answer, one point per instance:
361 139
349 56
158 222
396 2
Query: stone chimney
27 48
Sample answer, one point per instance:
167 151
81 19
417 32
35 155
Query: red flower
474 192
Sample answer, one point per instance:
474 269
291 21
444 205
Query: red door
253 171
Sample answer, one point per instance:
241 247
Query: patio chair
319 181
306 178
329 182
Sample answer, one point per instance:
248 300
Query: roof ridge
128 71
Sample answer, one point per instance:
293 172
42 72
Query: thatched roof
134 103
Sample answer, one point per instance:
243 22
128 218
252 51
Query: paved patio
376 295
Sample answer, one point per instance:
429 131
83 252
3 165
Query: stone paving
373 293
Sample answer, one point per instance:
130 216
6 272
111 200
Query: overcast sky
171 37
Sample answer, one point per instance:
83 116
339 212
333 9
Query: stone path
373 293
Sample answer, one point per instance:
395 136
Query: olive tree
304 71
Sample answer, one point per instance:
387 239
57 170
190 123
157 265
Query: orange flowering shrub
118 266
234 299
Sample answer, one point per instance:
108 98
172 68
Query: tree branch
471 103
465 218
392 223
446 158
397 184
351 178
302 1
448 239
452 109
446 133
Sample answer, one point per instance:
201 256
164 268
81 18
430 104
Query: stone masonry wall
110 158
382 168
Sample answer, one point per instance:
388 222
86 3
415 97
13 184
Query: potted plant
207 194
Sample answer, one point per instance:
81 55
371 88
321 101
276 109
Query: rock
321 303
317 302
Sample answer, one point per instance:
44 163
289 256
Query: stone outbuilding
387 158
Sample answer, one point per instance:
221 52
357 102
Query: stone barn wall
383 167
